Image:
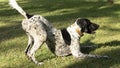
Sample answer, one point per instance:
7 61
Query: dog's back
29 19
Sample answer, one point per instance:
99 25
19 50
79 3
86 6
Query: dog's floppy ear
83 24
86 25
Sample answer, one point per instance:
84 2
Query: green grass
61 13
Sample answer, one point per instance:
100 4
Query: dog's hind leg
39 36
30 42
31 52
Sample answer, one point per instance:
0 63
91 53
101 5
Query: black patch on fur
29 16
86 25
66 36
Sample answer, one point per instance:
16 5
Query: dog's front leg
75 50
81 55
91 47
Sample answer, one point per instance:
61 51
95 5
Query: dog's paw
40 63
106 57
29 55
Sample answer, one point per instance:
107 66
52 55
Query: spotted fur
60 42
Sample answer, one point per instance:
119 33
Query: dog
62 42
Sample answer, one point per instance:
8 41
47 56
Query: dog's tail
15 5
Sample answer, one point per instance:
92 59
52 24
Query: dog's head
86 25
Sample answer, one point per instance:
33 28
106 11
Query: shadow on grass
84 9
81 8
10 31
100 63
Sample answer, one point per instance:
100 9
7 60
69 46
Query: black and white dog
60 42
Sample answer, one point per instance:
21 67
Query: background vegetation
61 13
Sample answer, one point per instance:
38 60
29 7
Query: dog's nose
97 26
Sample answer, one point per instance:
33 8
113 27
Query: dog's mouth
93 32
93 28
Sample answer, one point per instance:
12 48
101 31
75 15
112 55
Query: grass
61 13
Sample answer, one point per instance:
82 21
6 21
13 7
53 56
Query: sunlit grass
61 13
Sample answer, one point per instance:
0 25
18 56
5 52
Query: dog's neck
75 31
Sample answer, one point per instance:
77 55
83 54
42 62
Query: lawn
61 13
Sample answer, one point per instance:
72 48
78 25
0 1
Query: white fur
15 5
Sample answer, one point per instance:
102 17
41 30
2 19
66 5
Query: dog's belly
57 45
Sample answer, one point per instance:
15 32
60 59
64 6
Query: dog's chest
57 44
